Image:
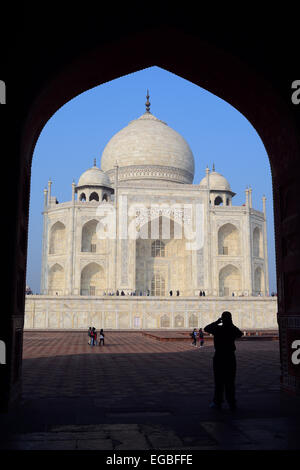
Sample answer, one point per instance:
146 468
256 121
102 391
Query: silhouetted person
203 293
201 338
171 293
200 293
224 361
177 293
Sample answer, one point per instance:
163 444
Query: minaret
250 197
49 191
73 192
265 248
247 198
248 254
45 241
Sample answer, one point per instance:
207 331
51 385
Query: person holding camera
224 361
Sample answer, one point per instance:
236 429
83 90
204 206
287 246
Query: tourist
200 293
224 361
203 293
194 336
93 335
101 337
201 338
95 338
171 293
177 293
89 334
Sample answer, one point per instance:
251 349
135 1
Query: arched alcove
92 280
57 242
89 239
94 196
228 240
229 280
259 281
257 243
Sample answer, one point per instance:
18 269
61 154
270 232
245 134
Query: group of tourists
92 334
198 335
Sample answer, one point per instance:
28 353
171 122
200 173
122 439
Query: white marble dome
147 148
94 177
217 182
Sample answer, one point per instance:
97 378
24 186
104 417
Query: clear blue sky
78 132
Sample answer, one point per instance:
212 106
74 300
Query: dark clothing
224 336
224 361
101 338
224 374
194 336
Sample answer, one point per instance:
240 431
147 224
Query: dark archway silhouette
61 66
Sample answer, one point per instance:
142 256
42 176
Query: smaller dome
216 182
94 177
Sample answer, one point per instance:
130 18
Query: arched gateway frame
174 50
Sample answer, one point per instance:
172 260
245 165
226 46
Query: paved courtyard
140 393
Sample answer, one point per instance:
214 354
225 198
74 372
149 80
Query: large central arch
237 81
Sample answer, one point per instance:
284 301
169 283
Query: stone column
248 260
49 192
71 252
266 266
208 281
117 224
44 276
250 198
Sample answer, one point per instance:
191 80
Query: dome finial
213 167
147 103
95 162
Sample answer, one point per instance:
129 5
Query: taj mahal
140 246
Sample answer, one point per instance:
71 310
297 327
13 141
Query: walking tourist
194 336
89 334
92 336
95 338
224 361
201 338
101 337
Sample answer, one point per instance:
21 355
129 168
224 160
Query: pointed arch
57 242
229 280
259 281
94 196
92 279
257 243
89 239
228 240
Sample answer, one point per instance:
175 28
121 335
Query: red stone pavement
140 393
63 364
